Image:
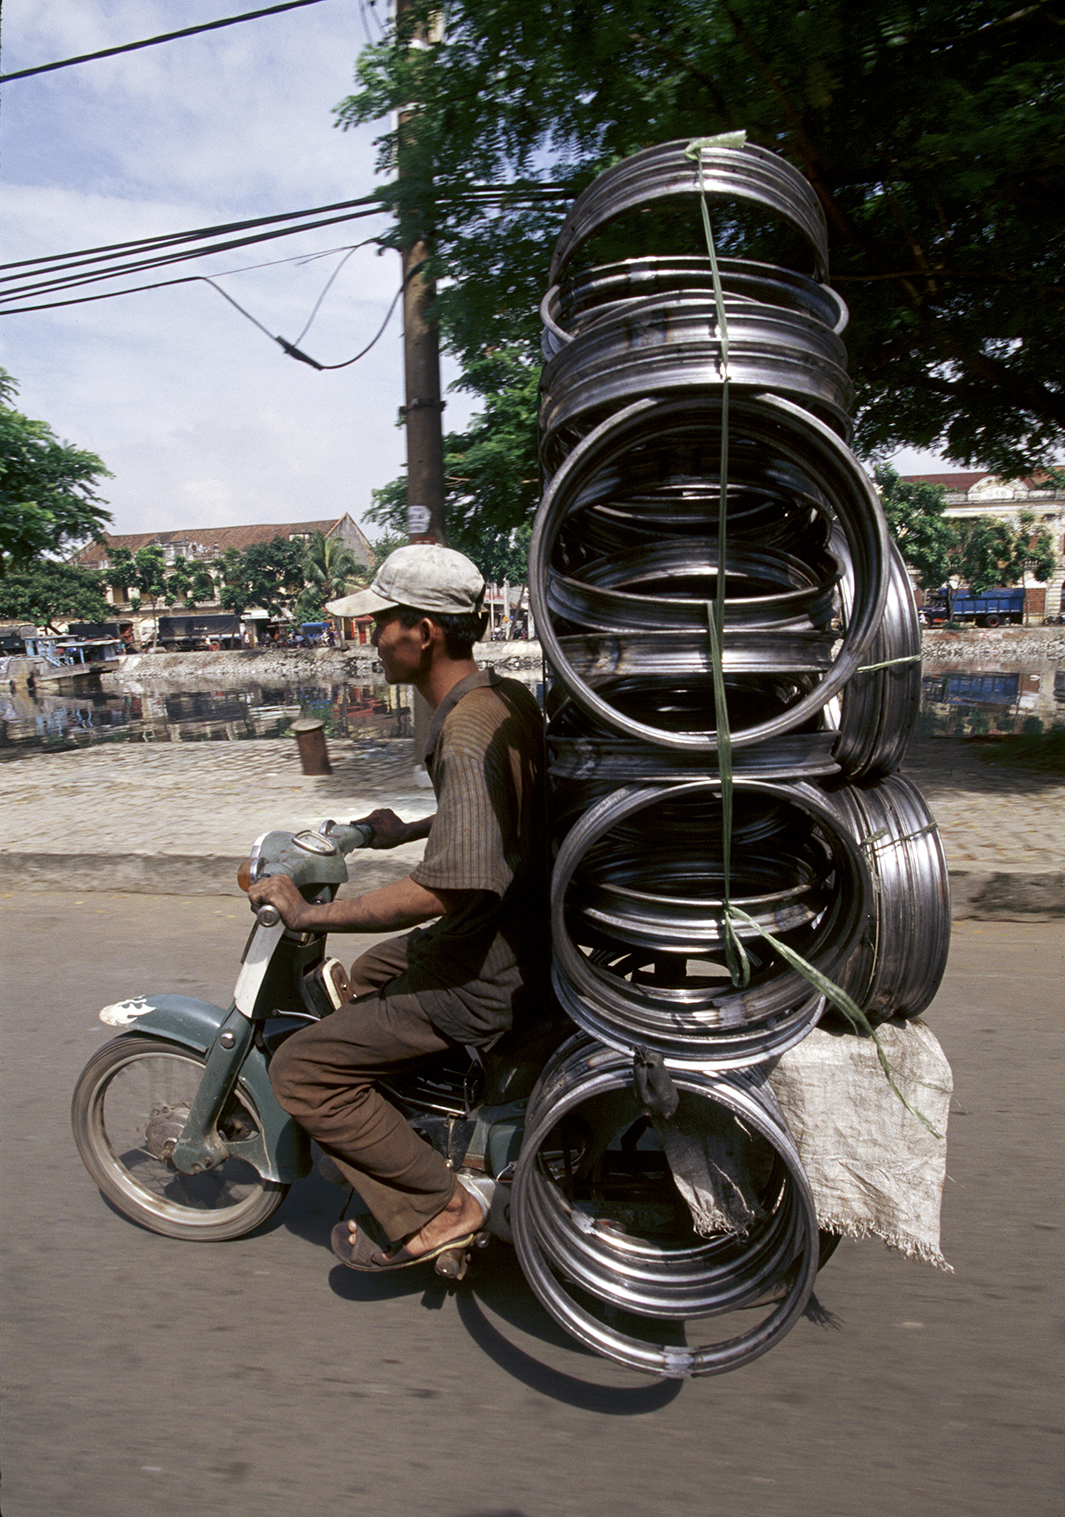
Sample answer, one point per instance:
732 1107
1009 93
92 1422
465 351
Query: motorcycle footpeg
453 1263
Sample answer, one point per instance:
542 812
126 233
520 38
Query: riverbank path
177 818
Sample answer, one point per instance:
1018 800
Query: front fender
283 1151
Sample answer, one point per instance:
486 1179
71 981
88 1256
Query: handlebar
314 861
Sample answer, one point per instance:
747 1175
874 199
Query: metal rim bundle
879 706
896 970
704 1021
748 174
606 290
644 588
588 665
577 1263
657 347
679 388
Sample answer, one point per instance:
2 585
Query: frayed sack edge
900 1243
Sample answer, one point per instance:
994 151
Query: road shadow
496 1284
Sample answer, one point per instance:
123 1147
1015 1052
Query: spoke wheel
130 1105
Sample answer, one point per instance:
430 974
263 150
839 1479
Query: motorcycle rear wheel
129 1106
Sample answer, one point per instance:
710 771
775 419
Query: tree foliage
490 474
980 552
43 592
330 570
266 574
189 582
925 537
932 134
48 503
991 551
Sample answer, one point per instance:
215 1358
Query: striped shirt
487 962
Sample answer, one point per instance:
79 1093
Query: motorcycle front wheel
130 1104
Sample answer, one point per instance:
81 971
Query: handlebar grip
267 916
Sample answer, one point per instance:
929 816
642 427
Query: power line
163 239
35 277
71 280
131 47
487 196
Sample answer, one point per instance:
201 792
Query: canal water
40 720
957 700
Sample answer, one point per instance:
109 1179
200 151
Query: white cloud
201 418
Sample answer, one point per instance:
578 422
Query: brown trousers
324 1076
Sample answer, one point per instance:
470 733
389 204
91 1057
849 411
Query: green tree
491 481
330 570
500 553
143 572
43 591
992 551
48 503
931 134
267 574
915 519
190 582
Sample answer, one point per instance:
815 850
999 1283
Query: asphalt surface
148 1376
178 817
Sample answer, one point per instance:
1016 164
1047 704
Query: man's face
399 648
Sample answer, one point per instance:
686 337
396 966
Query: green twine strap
739 965
908 658
842 1002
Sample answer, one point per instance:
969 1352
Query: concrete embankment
980 646
229 668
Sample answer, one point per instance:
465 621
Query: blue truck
992 608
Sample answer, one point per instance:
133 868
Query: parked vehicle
991 608
177 634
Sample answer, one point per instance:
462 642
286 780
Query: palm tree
331 570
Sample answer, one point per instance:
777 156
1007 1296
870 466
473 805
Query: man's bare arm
402 904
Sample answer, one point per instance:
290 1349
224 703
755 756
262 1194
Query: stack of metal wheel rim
677 390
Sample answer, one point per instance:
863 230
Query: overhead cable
485 195
72 281
131 47
221 229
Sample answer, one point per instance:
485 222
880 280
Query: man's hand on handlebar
389 831
279 891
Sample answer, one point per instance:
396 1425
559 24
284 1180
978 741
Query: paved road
149 1376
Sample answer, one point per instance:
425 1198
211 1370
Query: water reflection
989 699
956 700
36 720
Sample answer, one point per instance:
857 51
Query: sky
201 418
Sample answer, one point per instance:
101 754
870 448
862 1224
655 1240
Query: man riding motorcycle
483 963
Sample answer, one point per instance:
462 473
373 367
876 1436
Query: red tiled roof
966 481
948 481
214 539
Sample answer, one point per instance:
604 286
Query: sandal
368 1254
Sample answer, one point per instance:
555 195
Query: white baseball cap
423 575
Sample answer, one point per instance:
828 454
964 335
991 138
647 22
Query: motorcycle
177 1123
176 1119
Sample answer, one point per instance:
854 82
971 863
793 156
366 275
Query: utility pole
421 369
421 346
